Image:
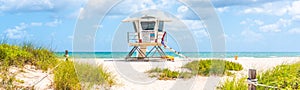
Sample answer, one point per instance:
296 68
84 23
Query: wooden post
251 76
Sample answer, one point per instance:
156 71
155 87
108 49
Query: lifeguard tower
149 32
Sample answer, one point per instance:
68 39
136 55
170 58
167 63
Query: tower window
160 26
148 25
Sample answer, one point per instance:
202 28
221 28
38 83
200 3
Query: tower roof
145 17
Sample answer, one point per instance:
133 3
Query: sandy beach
132 76
136 79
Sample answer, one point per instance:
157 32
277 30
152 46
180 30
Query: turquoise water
188 54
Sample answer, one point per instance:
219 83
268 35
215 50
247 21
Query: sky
248 25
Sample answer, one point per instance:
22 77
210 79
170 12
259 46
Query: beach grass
27 54
65 76
234 84
19 56
213 67
86 76
167 74
201 67
285 76
95 75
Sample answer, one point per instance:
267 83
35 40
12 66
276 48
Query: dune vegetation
26 54
213 67
19 56
65 76
285 76
234 84
167 74
201 67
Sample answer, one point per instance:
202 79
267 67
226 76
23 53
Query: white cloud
290 8
222 9
101 7
152 4
36 24
17 32
284 22
253 10
243 22
296 18
76 13
182 9
98 26
252 22
53 23
127 7
275 27
258 22
227 37
156 13
37 5
26 5
197 27
71 37
294 10
270 28
194 24
271 8
185 13
224 3
251 36
201 34
294 31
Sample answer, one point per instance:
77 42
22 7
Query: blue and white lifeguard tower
149 32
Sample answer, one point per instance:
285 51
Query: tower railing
132 37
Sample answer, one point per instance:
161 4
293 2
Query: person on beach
66 55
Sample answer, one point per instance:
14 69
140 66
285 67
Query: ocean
188 54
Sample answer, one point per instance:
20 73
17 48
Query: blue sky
249 25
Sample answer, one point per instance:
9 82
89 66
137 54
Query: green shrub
18 56
42 58
234 84
214 67
233 66
202 67
282 76
185 75
95 75
155 70
167 74
12 55
65 76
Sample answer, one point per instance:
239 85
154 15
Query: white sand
132 80
135 79
31 77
